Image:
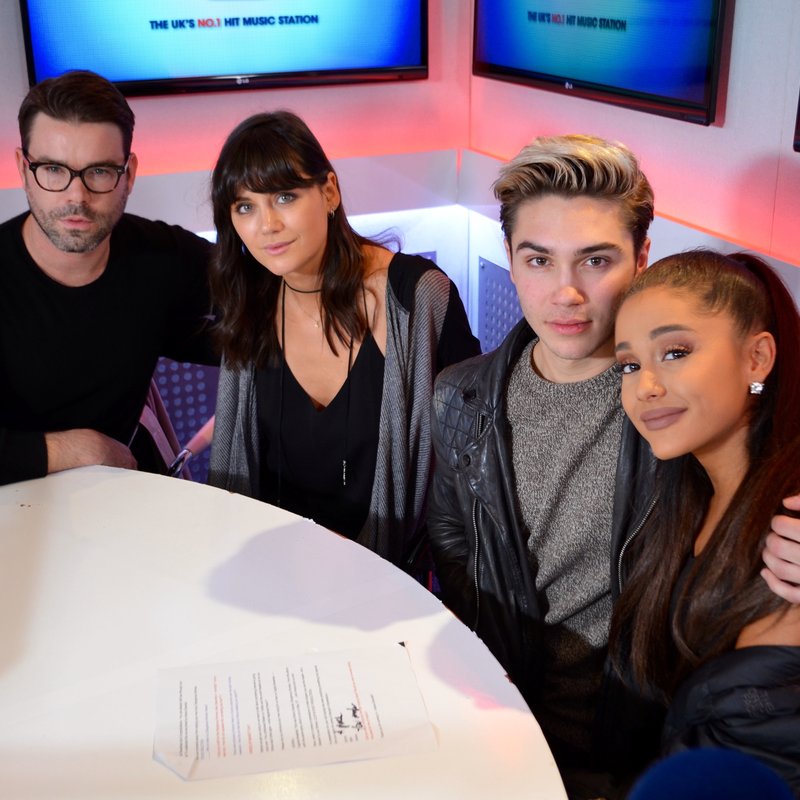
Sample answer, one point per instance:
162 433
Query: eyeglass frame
75 173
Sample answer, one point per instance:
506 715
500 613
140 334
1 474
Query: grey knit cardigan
404 459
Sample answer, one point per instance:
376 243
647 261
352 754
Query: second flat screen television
660 56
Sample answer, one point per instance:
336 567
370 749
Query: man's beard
77 241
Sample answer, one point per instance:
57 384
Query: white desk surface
107 576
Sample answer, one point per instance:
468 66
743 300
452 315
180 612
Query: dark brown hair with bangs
268 153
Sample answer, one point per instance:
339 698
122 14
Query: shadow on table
310 575
302 570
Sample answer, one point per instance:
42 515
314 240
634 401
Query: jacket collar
503 359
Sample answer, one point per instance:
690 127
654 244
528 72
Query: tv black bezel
152 87
701 114
796 144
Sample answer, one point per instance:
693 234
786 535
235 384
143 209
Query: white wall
486 239
738 179
183 133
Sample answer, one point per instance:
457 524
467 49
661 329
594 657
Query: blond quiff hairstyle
576 165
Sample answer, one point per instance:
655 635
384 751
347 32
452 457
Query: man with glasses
90 296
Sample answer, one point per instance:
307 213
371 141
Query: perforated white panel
498 310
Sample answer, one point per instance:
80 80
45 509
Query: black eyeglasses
99 179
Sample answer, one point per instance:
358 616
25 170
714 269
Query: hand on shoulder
782 554
83 447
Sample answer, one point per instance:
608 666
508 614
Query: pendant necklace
282 373
317 322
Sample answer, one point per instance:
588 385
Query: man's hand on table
83 447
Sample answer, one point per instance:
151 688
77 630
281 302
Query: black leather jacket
474 521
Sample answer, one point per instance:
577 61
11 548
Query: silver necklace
317 322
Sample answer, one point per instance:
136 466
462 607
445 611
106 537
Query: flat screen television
169 46
660 56
797 130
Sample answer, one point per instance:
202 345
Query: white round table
108 576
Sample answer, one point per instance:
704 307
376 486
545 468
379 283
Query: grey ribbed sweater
565 444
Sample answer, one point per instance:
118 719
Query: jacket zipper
633 535
479 426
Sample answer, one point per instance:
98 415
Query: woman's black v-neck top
303 447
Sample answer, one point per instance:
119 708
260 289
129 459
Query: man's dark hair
77 96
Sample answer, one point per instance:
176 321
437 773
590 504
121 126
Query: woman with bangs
708 349
330 343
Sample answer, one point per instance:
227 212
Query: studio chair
155 444
189 392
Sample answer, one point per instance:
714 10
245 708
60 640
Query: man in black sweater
90 296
